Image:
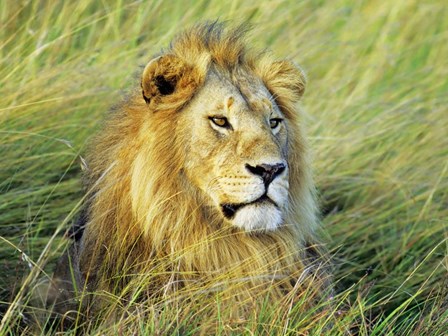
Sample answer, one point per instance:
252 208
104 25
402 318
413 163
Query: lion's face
236 140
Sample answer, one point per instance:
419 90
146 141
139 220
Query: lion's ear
168 80
160 76
283 79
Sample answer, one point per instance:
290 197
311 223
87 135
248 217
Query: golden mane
142 217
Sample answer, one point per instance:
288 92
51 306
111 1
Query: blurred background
375 109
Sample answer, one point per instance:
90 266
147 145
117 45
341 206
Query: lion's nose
268 172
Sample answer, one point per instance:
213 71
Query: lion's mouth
229 210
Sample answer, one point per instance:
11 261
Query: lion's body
177 188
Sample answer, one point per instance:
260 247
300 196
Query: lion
201 175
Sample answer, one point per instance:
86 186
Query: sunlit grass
376 110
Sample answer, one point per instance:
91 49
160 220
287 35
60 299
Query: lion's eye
220 121
275 122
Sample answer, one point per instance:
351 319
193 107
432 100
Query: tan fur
149 173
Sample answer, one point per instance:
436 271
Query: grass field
376 109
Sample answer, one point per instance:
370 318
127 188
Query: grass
377 118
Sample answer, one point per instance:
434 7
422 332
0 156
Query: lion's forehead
246 91
254 92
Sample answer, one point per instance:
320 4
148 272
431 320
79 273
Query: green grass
376 109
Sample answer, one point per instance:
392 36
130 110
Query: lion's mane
142 218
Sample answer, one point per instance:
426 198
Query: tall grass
377 116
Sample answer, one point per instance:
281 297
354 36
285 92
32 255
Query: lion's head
235 141
233 130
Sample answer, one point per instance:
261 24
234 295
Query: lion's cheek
201 178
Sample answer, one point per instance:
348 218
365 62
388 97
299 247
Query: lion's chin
258 217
